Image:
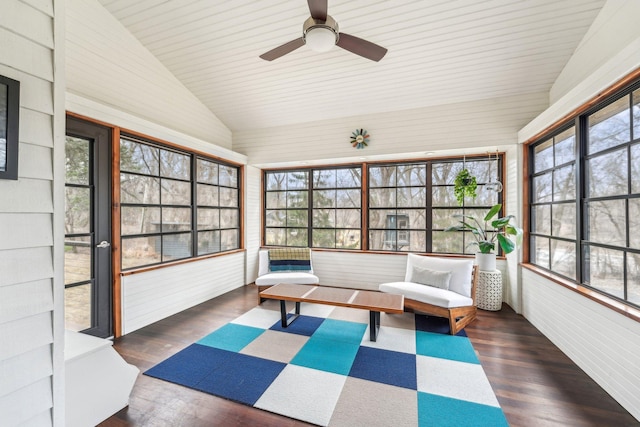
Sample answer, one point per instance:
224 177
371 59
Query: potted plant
465 185
489 232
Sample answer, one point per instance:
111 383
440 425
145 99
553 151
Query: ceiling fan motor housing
320 35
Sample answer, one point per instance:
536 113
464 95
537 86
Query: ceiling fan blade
361 47
283 50
318 9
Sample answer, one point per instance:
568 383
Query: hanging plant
465 186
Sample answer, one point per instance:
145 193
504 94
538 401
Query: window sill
617 306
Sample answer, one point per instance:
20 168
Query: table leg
374 325
283 313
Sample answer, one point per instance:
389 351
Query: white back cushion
460 269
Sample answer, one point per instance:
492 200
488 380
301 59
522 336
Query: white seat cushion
296 278
427 294
461 271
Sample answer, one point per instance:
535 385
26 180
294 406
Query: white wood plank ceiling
440 52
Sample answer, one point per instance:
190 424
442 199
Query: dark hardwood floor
536 384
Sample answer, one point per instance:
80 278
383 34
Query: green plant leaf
506 244
486 247
493 211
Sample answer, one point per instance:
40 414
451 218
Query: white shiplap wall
605 344
31 311
105 63
491 123
252 221
152 296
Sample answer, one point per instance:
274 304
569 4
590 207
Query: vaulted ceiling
440 52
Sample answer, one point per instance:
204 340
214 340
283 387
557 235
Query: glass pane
348 178
276 181
447 242
77 307
229 240
348 218
564 220
324 179
609 126
140 158
228 197
543 156
77 259
564 183
633 278
297 237
634 223
348 239
445 173
542 219
297 180
324 238
275 237
77 160
176 219
297 218
175 192
324 218
443 218
483 169
607 174
636 114
605 270
382 198
139 251
139 189
77 210
348 198
378 217
175 165
176 246
607 222
276 218
412 197
542 188
417 242
540 251
324 198
208 242
297 199
228 176
485 197
411 175
563 258
565 147
139 220
208 195
229 218
382 176
635 168
276 199
443 196
376 240
208 219
207 171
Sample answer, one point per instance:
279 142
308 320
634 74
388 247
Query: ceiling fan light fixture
320 39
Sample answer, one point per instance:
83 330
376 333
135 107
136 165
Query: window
314 207
582 225
409 205
174 205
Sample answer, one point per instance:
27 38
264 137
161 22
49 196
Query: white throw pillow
437 279
461 270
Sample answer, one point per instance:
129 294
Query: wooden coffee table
375 302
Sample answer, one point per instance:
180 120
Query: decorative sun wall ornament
359 138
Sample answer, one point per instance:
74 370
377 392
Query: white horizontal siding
25 265
151 296
38 395
605 344
29 22
253 214
35 128
26 334
39 300
19 230
25 369
358 270
107 64
486 123
26 195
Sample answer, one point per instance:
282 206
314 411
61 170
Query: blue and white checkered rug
324 370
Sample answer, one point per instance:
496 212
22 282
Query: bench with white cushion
443 287
267 278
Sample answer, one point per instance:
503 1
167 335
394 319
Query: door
87 261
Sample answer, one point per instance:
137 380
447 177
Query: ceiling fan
320 32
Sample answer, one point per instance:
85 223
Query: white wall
252 220
107 64
602 342
31 287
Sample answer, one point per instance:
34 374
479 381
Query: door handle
103 244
